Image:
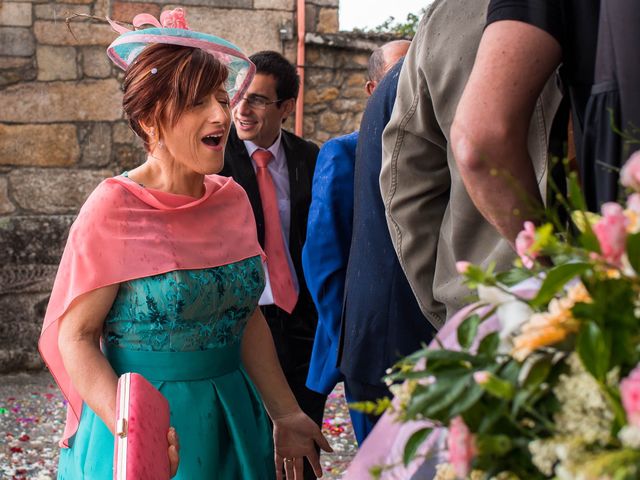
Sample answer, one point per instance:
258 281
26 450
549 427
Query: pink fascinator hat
172 29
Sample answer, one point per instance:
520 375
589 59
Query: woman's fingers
314 461
290 470
174 447
322 441
298 466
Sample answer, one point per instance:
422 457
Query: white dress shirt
280 174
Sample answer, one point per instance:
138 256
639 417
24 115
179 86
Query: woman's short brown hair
164 81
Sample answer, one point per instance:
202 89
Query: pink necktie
284 293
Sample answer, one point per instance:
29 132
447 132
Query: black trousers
293 345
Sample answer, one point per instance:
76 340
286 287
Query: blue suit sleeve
325 254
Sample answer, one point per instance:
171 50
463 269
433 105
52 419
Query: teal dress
182 331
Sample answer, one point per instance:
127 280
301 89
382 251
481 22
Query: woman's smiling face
198 138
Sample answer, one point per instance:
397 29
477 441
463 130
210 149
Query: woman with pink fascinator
161 275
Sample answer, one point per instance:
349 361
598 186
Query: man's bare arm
489 132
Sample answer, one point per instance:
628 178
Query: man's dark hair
376 65
269 62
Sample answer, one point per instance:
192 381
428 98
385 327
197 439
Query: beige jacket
432 220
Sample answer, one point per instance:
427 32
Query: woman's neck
168 176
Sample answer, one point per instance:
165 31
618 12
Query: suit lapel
243 173
295 193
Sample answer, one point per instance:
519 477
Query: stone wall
62 129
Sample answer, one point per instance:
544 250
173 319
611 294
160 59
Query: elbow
477 147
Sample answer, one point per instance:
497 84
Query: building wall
62 128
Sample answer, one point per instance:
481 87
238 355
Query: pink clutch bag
142 423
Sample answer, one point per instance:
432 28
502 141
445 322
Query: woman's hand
295 436
173 451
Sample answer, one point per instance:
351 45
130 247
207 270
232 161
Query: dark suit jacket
381 320
301 159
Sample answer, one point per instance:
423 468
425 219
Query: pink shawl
123 232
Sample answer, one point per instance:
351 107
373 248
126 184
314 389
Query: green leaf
593 350
498 445
556 279
489 344
576 198
467 330
514 276
452 394
471 397
538 370
633 251
498 387
411 447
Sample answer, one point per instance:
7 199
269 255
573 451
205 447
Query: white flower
494 295
629 435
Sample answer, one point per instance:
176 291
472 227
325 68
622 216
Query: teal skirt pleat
223 429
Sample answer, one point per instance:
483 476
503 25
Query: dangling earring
160 144
152 132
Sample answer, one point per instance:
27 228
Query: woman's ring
288 460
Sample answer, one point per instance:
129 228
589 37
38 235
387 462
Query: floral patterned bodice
185 310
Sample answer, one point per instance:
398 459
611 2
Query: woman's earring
160 144
152 132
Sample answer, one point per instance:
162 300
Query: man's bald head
382 59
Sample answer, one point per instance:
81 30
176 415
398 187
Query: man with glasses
275 167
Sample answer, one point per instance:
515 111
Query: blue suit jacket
326 251
381 321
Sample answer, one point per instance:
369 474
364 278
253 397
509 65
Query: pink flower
630 393
611 231
630 173
174 19
633 202
462 267
481 377
524 241
461 447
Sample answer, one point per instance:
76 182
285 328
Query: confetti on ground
31 422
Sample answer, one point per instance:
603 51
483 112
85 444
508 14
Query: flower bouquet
546 380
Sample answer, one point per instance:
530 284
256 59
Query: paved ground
31 421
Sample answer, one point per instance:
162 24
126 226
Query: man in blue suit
326 251
381 320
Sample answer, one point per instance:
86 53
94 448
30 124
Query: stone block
95 62
125 11
86 33
60 11
326 3
79 2
52 145
354 92
5 203
33 239
56 63
101 8
14 62
224 23
20 330
327 20
15 14
356 80
54 190
122 133
289 5
95 140
310 17
28 278
127 157
318 77
16 70
16 42
354 106
90 100
331 122
320 95
309 126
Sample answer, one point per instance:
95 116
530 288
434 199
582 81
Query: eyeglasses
259 103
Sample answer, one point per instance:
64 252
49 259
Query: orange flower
550 327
